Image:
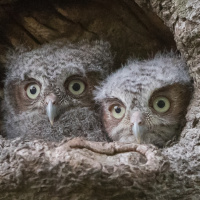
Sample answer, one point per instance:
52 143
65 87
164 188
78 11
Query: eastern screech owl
48 91
146 101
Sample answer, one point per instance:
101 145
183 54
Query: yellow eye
76 87
32 91
117 111
161 104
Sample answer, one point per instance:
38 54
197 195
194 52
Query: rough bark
41 170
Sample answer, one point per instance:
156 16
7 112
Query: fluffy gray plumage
146 101
53 70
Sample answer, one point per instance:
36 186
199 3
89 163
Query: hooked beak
51 108
138 127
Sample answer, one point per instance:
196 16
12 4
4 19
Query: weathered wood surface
40 170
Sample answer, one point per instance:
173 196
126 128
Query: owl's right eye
32 91
161 104
76 87
117 111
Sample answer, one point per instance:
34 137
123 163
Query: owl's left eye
76 87
117 111
161 104
32 91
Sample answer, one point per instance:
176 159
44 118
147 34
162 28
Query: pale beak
138 127
51 108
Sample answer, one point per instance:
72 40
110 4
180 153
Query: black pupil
161 104
117 109
33 90
76 87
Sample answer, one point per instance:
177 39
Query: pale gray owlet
48 91
146 101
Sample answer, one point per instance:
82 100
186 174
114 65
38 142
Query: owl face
52 97
145 102
48 91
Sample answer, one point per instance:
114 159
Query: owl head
146 101
48 91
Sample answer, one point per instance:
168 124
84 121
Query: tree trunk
137 28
